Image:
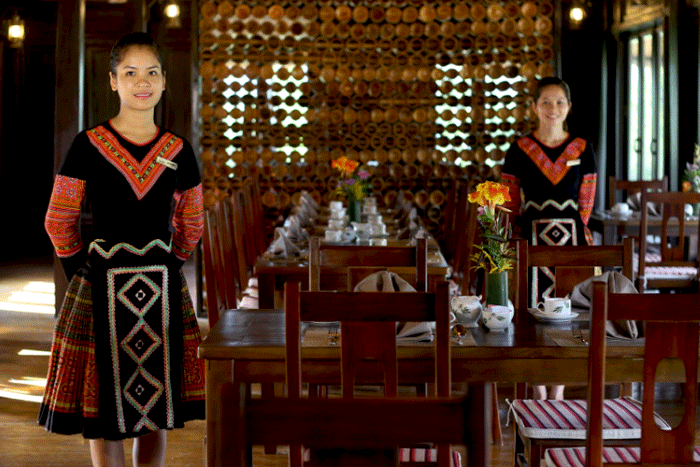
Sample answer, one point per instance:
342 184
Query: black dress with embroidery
124 352
558 189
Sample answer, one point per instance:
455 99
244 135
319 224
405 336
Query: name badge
573 162
166 162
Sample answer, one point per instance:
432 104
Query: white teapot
467 309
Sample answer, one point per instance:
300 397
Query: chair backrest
254 215
668 335
630 187
347 256
572 264
213 264
221 260
359 423
675 232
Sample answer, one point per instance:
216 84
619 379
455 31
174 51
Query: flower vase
354 210
497 288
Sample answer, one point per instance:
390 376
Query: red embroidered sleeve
586 197
188 221
63 215
513 184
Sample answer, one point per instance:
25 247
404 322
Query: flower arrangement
353 186
691 176
494 253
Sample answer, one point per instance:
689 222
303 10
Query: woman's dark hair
129 40
552 80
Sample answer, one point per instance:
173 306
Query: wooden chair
572 264
630 187
213 265
668 335
410 261
675 267
224 262
337 429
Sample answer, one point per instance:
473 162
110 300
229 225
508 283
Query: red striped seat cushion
574 457
566 419
663 272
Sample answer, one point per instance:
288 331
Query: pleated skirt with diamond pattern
124 354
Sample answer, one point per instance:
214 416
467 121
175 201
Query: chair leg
496 430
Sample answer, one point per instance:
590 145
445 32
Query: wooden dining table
613 227
248 346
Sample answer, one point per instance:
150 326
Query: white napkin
283 247
635 202
617 283
385 281
307 207
307 198
295 232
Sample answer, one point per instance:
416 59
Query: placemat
566 338
317 336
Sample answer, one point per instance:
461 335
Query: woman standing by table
551 175
124 356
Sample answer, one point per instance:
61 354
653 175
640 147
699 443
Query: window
645 93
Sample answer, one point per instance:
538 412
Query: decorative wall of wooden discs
421 93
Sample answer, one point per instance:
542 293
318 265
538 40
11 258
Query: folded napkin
635 202
307 198
308 210
304 219
385 281
295 231
617 283
282 246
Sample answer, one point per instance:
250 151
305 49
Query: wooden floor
25 444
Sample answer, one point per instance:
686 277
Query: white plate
551 319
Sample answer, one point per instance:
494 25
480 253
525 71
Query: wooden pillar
70 86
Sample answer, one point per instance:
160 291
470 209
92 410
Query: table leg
479 451
266 291
218 371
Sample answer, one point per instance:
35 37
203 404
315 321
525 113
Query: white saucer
551 319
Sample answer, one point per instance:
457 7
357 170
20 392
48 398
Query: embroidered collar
554 171
140 175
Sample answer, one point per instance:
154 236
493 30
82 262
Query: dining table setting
538 345
287 256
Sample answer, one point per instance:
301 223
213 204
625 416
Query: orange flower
345 165
490 195
687 186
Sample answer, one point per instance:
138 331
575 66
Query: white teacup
621 210
555 306
377 229
338 213
497 317
336 224
333 235
374 218
466 309
369 209
335 205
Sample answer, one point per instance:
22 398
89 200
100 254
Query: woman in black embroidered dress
124 361
556 172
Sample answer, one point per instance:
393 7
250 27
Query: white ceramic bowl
497 317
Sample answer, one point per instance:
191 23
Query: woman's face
139 79
552 107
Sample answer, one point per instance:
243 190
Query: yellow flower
494 253
490 195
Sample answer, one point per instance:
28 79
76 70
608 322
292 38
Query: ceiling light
172 13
